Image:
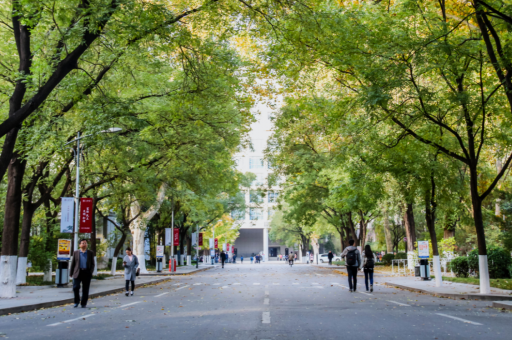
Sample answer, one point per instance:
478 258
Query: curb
454 296
172 274
497 304
32 307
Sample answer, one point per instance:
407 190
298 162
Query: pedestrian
252 259
311 257
222 258
131 265
330 256
368 265
82 267
241 259
353 262
290 261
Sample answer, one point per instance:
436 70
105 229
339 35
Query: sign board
67 206
423 251
216 244
227 247
194 239
160 251
211 243
63 250
176 236
212 252
86 215
200 239
168 237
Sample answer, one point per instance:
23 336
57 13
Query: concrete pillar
265 244
182 259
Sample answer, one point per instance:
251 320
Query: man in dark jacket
353 262
222 258
330 256
82 267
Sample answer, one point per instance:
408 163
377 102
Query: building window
255 163
255 214
259 180
255 197
238 215
270 214
272 196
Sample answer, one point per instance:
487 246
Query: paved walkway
35 297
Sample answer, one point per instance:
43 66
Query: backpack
370 263
351 258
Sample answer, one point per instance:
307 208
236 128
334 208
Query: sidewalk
35 297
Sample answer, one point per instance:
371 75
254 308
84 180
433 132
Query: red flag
86 215
176 236
200 239
227 247
216 244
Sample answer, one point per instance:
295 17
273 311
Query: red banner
176 236
216 244
227 247
85 215
200 239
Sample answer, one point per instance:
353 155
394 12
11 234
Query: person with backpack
353 262
330 256
368 265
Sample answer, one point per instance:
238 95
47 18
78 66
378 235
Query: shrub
460 266
386 259
401 256
499 261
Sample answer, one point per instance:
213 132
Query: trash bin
417 271
424 269
159 265
61 274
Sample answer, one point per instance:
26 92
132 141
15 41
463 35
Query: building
259 197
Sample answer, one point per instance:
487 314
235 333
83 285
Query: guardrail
402 266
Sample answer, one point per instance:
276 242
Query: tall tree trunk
387 233
26 225
9 258
410 227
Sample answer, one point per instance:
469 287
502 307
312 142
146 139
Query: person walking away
252 258
330 256
353 262
290 259
368 265
222 258
81 269
241 259
130 264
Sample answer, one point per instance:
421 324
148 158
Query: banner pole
77 193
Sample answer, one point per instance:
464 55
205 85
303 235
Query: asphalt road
264 301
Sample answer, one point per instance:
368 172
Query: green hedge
460 266
499 262
401 256
386 259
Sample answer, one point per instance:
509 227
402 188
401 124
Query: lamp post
77 180
197 245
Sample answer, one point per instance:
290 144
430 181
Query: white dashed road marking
181 287
276 283
365 293
265 317
129 304
459 319
399 303
161 294
197 284
80 318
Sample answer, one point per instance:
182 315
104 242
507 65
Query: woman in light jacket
130 263
368 265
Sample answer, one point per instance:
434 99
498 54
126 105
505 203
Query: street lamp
77 181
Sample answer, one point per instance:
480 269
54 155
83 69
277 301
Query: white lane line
216 284
276 283
365 293
314 283
177 284
197 284
256 284
266 301
161 294
181 287
236 284
318 275
129 304
62 322
399 303
459 319
265 317
224 287
335 283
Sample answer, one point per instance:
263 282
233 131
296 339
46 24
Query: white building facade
260 198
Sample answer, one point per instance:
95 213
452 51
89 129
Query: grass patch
496 283
339 263
101 276
38 281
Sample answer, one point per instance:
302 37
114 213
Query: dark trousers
128 285
368 273
84 277
330 261
352 277
222 263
